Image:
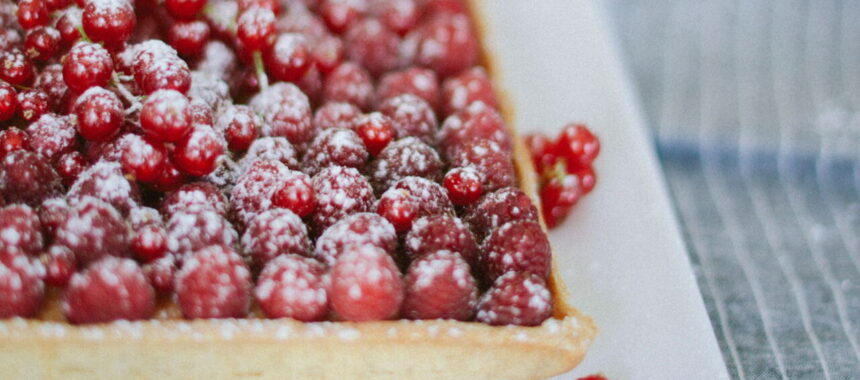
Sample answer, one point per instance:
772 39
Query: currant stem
83 34
262 78
122 90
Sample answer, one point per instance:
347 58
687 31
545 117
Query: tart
367 198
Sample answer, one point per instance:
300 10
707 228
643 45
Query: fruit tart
267 189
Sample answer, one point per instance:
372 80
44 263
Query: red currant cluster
565 170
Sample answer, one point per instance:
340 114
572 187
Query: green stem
262 78
83 33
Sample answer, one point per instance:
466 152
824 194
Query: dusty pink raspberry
273 233
477 121
104 180
411 116
108 290
415 81
193 197
402 158
253 191
52 135
336 115
441 232
339 192
429 196
349 83
292 286
26 177
213 283
270 148
520 246
440 285
20 229
286 111
21 286
366 285
516 299
52 213
487 158
497 208
363 228
94 229
372 45
190 231
140 217
161 273
466 88
60 265
335 147
446 44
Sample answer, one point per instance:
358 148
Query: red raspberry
52 213
446 44
15 68
21 287
339 192
497 208
515 299
336 115
166 116
489 159
399 15
286 112
289 58
477 121
20 229
26 177
198 153
520 246
193 197
184 9
32 104
8 101
470 86
399 208
104 180
213 283
375 130
51 82
32 13
402 158
188 37
340 14
291 286
189 232
140 217
143 159
411 116
270 148
109 21
372 45
543 151
349 83
296 194
363 228
60 265
365 285
69 166
42 43
93 230
52 136
161 273
439 286
273 233
558 195
208 92
253 192
578 145
87 65
239 125
108 290
149 242
99 113
312 85
441 232
327 53
415 81
110 150
428 195
255 28
334 147
464 185
13 139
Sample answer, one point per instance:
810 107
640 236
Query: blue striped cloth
755 106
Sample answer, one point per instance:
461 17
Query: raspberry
15 68
363 228
339 192
286 112
327 53
372 45
239 125
414 81
52 136
60 265
470 86
411 116
375 130
441 232
208 92
21 287
20 229
273 233
439 286
104 180
497 208
270 148
193 197
402 158
216 59
446 45
489 159
272 5
520 246
109 21
52 213
87 65
213 283
161 273
399 15
50 81
334 147
32 104
349 83
296 194
197 154
340 14
578 145
365 285
336 115
292 286
93 230
254 189
110 150
143 159
188 232
8 101
301 20
312 84
428 195
149 242
188 37
464 185
140 217
478 121
166 116
289 58
516 299
26 177
108 290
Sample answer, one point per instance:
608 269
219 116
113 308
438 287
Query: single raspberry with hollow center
296 194
440 285
52 136
365 285
477 121
108 290
411 116
415 81
402 158
349 83
104 180
336 115
87 65
26 177
15 68
489 159
190 231
166 116
275 232
143 158
441 232
93 230
445 44
149 242
363 228
161 273
291 286
32 104
270 148
339 192
8 101
466 88
240 126
60 265
335 147
194 197
464 185
52 213
497 208
20 229
213 283
21 287
372 45
286 112
254 189
289 58
197 154
109 21
516 299
375 130
519 246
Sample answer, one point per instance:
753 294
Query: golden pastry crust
170 348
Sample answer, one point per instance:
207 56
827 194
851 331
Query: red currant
256 29
558 195
375 131
42 43
399 208
149 243
197 154
100 114
171 178
15 68
166 116
543 151
184 9
188 37
86 65
289 58
578 145
32 13
586 175
13 139
142 158
340 14
328 53
8 101
68 25
240 126
32 104
272 5
296 194
464 185
70 165
109 21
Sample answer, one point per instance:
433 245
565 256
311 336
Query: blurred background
754 111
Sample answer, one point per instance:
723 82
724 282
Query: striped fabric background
755 107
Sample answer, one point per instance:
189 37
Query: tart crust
170 348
